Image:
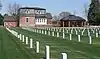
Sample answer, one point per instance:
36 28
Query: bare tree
64 14
13 9
55 17
61 15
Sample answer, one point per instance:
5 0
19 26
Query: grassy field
74 49
10 47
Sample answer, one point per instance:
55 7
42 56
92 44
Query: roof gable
37 8
73 17
9 19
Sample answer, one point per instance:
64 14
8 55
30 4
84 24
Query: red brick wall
31 21
49 21
10 24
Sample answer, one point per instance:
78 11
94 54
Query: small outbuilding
9 21
72 21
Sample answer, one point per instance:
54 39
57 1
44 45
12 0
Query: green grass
10 47
74 49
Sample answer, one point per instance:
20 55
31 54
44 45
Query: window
36 20
26 11
27 19
40 20
39 12
44 20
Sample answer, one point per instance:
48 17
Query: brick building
33 17
9 21
72 21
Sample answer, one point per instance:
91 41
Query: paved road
9 49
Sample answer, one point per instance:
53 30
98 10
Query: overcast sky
52 6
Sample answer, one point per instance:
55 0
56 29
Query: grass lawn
10 47
74 49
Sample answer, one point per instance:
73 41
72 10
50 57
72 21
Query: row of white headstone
47 55
44 31
47 50
13 32
58 35
71 30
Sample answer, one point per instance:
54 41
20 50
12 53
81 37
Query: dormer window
39 12
27 11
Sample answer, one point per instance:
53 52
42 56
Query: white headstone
79 30
49 29
31 43
82 32
23 38
20 36
47 52
76 32
45 32
90 40
59 30
42 32
48 32
52 33
70 36
99 32
34 30
37 47
26 40
97 35
79 38
57 34
63 35
64 56
37 30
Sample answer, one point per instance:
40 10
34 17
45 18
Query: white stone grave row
70 36
67 30
13 32
47 49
